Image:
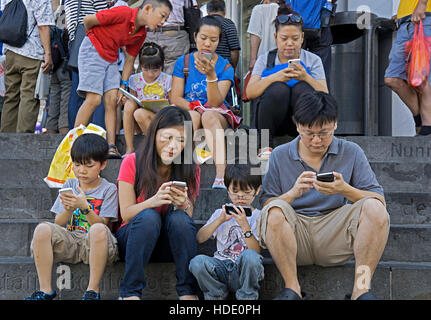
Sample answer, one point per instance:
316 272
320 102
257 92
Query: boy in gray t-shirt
84 209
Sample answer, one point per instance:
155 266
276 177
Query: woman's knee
179 221
210 119
147 217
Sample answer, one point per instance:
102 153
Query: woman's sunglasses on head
292 17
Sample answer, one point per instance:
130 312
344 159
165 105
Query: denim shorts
397 57
95 73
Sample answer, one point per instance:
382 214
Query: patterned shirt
39 13
157 90
176 18
87 7
229 40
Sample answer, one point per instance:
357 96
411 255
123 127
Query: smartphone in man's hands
325 177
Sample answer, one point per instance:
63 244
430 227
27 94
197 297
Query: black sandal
365 296
289 294
113 152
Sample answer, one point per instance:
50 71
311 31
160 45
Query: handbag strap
186 69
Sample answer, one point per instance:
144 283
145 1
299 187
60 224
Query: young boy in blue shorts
80 232
237 264
108 31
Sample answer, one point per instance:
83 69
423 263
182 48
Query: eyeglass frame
321 136
249 197
289 18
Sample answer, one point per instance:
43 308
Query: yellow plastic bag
61 165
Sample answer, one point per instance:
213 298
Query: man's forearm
285 197
234 55
352 194
44 33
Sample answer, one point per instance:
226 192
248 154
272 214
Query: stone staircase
402 166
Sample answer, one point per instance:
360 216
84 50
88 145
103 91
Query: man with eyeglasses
305 221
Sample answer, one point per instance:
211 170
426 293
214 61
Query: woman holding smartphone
200 83
276 83
156 212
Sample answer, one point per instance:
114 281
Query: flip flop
289 294
365 296
113 152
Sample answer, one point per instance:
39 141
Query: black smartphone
229 209
325 177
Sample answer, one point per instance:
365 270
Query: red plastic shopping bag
418 53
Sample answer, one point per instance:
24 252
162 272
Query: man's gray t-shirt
345 157
103 199
310 60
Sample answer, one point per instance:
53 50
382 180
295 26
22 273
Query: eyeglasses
321 136
247 196
292 17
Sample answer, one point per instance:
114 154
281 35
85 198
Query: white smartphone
66 190
292 62
179 184
207 55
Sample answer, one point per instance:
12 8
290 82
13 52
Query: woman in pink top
156 214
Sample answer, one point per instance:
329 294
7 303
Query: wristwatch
248 234
86 210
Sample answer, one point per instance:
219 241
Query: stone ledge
392 280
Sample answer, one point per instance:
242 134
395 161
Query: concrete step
392 280
377 149
35 203
16 235
394 177
404 208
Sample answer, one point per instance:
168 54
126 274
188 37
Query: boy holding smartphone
84 211
237 265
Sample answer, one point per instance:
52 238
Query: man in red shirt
107 32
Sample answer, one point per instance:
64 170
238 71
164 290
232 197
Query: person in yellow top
408 8
409 13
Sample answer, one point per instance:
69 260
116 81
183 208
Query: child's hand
241 218
224 216
72 202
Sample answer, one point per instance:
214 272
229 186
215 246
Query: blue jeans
216 277
163 239
75 102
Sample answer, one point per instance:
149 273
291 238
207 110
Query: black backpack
59 48
13 24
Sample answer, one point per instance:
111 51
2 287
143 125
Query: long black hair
147 178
